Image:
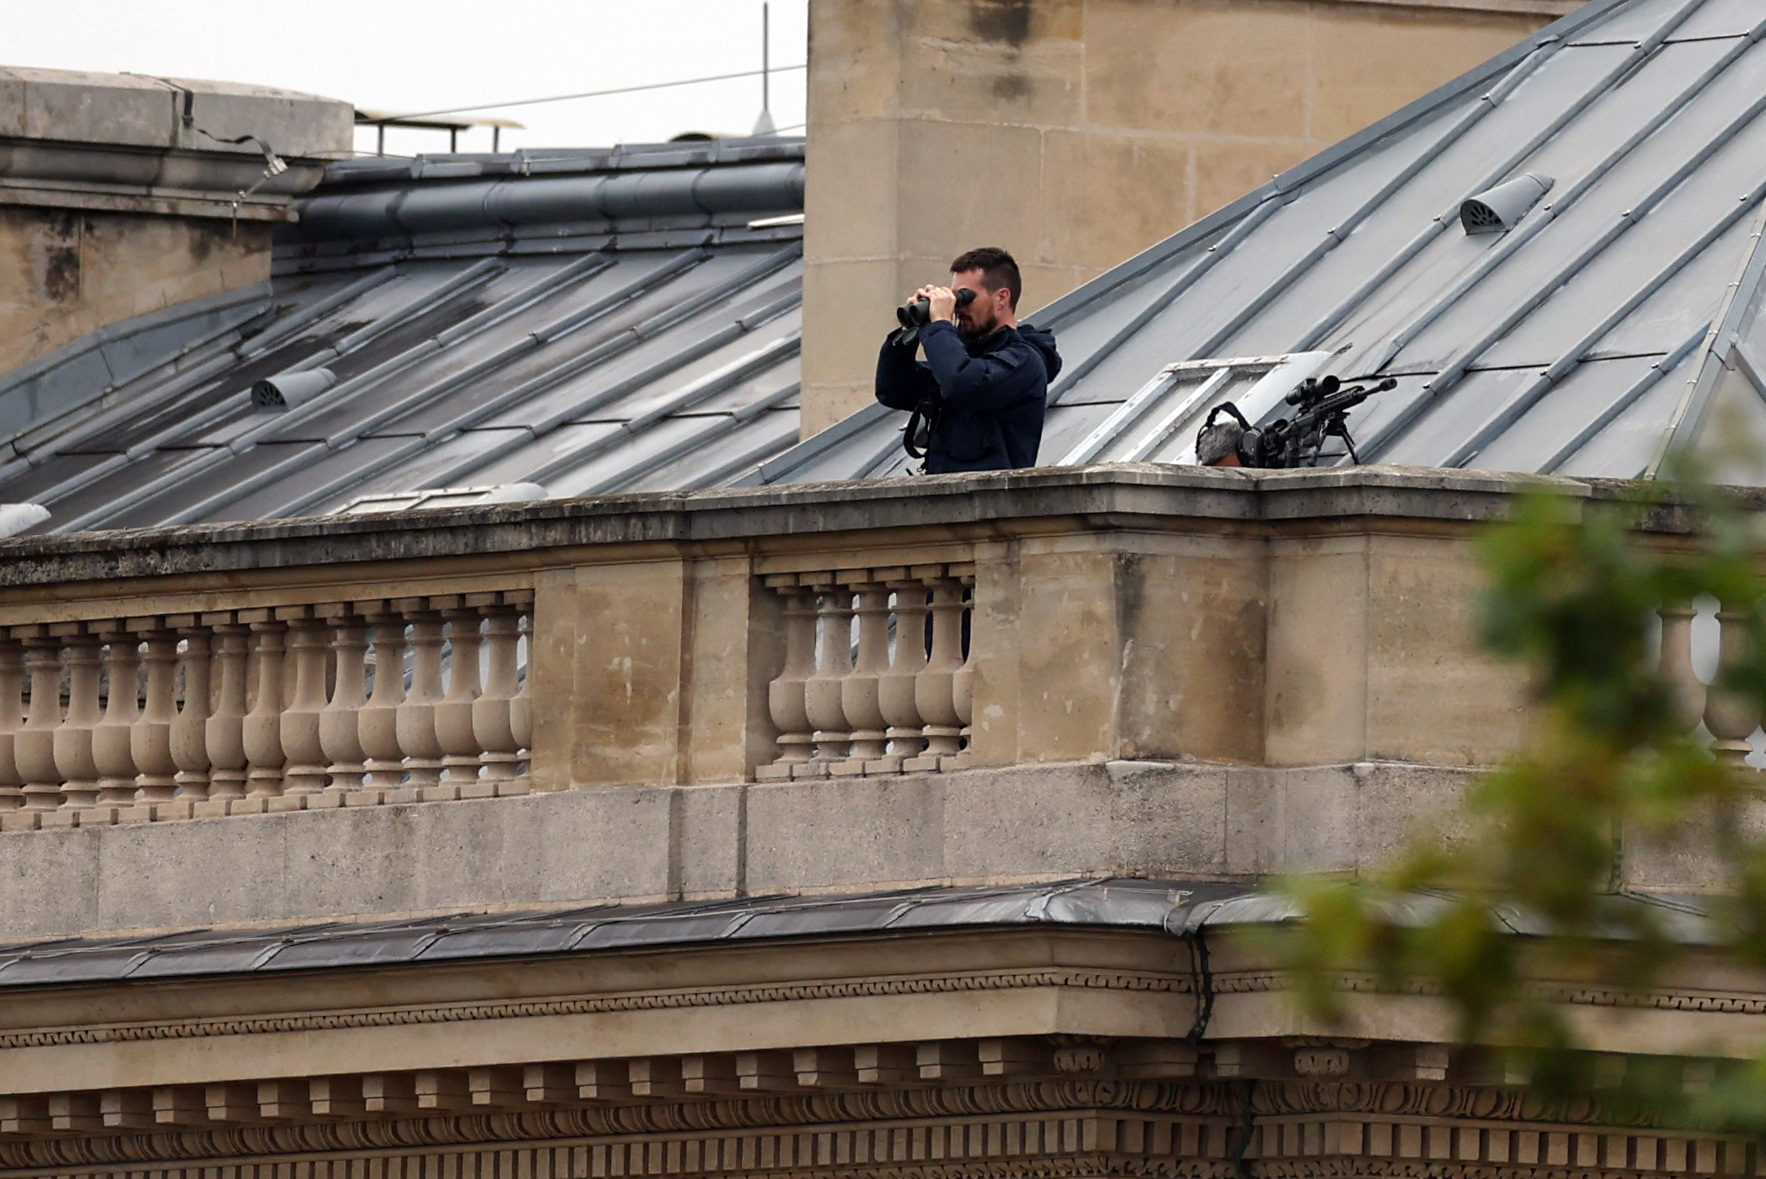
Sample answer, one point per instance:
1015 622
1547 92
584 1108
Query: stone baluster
111 748
785 694
340 722
1674 664
821 692
225 728
261 729
935 687
1730 716
11 717
416 718
34 746
859 698
378 725
962 682
493 726
188 736
453 713
895 687
74 759
521 708
150 738
304 771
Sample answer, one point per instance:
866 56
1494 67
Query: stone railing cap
1139 495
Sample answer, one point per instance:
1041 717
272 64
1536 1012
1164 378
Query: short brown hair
998 269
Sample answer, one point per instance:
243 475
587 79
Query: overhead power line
488 106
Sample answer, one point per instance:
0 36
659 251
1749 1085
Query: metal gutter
501 205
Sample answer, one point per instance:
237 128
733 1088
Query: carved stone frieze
597 1004
1019 1130
896 1127
1252 982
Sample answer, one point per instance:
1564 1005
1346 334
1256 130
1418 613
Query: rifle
1322 406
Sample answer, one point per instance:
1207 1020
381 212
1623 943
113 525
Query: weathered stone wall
67 272
1076 133
121 194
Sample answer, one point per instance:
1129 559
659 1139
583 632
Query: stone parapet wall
1125 669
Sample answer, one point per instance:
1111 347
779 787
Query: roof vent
284 391
1497 209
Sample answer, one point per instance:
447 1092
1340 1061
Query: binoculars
918 313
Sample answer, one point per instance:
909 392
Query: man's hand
943 300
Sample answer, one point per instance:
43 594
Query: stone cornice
950 508
707 997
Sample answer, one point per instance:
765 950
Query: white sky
428 54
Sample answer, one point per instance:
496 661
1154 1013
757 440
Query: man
985 380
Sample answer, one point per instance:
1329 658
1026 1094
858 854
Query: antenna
764 124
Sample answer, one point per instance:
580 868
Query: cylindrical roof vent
284 391
1498 209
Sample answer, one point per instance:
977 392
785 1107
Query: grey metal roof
585 320
1182 908
1610 319
629 319
1110 902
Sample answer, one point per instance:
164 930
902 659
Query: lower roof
1182 908
1113 903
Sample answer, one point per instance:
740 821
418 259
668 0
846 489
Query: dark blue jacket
987 395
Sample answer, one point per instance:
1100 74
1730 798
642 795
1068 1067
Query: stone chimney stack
1076 133
121 194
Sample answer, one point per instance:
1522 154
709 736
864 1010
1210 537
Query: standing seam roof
581 319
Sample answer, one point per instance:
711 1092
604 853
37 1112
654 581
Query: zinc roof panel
505 468
117 493
765 437
1625 23
1623 447
1589 389
605 469
1721 18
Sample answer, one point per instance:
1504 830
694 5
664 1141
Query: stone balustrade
264 709
779 636
879 676
1710 638
1126 668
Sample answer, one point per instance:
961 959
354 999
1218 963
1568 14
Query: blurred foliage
1525 885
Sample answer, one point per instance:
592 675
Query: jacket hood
1044 342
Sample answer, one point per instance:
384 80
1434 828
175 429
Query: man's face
979 317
